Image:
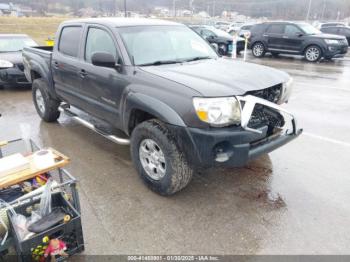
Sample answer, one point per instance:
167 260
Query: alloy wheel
313 54
40 101
152 159
258 50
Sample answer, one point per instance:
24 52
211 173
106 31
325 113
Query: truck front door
101 85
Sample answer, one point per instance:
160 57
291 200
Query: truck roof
122 22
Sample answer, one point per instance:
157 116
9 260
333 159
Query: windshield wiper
198 58
160 62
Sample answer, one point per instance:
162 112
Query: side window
326 30
99 40
291 30
70 40
275 29
332 30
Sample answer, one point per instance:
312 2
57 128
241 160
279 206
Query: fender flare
44 71
151 105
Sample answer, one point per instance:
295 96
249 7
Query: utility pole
174 7
125 9
214 8
308 10
323 10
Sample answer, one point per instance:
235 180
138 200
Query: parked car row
222 41
296 39
331 40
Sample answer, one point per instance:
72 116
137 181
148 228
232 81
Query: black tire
275 54
223 49
258 49
49 112
177 171
313 53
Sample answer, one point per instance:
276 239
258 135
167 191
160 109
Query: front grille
272 94
265 116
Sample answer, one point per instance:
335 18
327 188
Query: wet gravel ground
295 200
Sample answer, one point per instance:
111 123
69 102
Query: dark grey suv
296 39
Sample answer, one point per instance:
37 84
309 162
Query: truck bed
38 59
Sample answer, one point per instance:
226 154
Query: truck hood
13 57
220 77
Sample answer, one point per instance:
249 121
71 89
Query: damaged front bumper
270 143
235 146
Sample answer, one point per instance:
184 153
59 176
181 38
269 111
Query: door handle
83 73
265 35
285 37
55 65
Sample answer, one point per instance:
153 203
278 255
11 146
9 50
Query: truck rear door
65 64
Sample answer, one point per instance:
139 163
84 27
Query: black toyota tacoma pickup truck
161 88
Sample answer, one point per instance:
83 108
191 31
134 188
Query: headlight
289 83
5 64
287 90
223 111
331 42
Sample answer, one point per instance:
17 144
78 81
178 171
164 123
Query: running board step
118 140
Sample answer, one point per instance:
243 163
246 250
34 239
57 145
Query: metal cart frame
64 179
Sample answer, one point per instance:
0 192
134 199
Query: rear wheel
258 49
46 106
157 158
313 53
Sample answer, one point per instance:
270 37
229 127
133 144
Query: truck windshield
156 45
15 44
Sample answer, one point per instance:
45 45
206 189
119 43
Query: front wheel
313 53
258 49
46 107
157 158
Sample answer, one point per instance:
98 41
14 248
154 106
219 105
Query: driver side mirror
299 34
104 59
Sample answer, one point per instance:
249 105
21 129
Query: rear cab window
70 40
